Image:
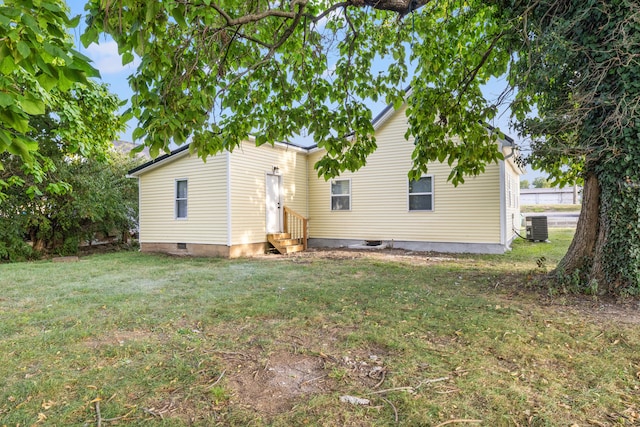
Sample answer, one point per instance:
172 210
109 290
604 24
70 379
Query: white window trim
176 199
331 195
432 194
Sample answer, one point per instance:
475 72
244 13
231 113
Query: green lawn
136 339
551 208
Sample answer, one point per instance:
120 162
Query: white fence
551 196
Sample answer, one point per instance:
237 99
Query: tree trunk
583 258
38 245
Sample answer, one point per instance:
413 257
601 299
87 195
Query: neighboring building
229 205
125 147
551 196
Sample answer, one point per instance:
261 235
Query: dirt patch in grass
599 308
602 309
271 386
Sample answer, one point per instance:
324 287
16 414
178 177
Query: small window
421 194
341 195
181 199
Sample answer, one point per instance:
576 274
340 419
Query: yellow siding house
230 204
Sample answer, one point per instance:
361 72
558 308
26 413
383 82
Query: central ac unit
537 230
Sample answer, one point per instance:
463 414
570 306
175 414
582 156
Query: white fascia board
281 145
315 149
290 147
384 117
160 163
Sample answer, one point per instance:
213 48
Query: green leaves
6 100
32 106
460 50
62 181
37 63
272 78
23 49
285 74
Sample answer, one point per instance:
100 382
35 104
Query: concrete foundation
206 250
447 247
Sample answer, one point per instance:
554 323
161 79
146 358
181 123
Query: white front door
274 205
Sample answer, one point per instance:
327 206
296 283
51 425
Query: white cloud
107 60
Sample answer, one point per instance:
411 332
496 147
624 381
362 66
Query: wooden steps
284 243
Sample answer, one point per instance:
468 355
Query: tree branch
333 7
402 7
287 33
255 17
472 74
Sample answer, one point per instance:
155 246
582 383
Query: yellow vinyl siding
469 213
227 196
206 220
249 167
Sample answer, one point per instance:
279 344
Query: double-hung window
341 195
181 199
421 194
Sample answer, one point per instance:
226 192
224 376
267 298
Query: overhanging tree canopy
37 65
216 71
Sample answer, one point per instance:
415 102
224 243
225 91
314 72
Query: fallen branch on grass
100 420
395 411
458 421
411 389
120 418
153 413
382 372
431 381
218 380
96 403
312 380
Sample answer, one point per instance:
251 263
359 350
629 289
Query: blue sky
106 59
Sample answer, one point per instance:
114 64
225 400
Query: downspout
503 207
229 228
306 167
139 212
